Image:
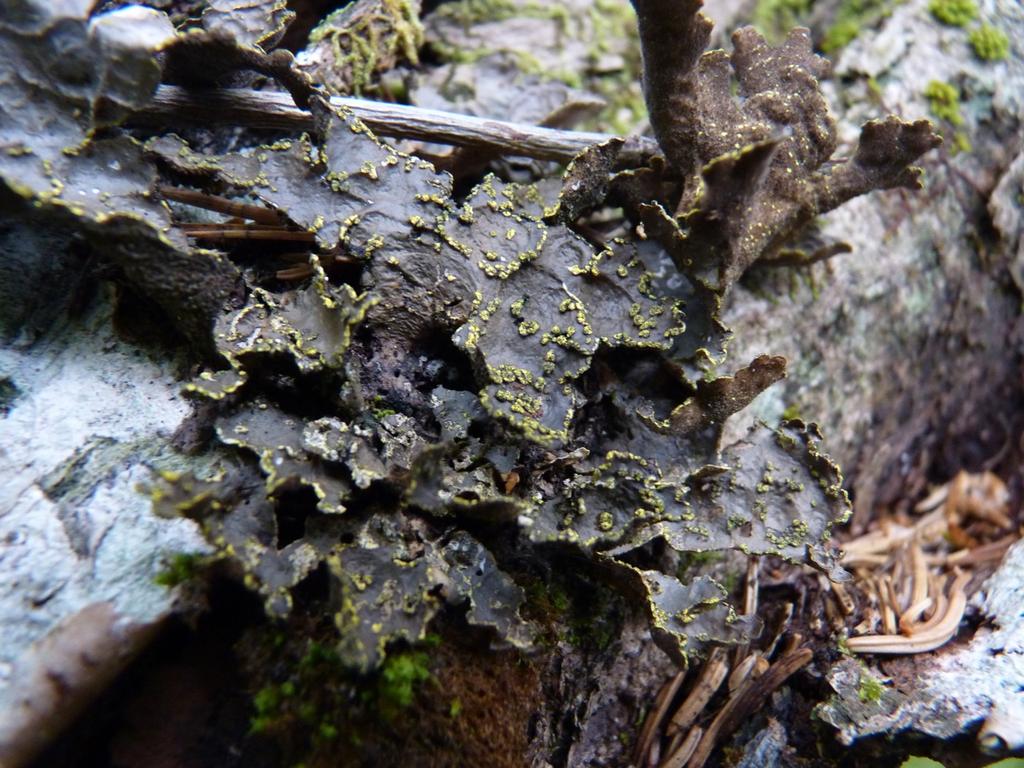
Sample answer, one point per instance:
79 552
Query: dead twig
234 232
52 684
269 110
225 205
750 590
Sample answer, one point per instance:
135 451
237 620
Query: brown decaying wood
172 105
708 682
61 674
685 750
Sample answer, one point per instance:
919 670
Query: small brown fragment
648 735
747 700
843 598
685 750
716 400
510 480
708 682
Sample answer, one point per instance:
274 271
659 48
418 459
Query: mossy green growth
956 13
614 22
792 412
870 690
774 18
689 561
311 704
961 143
327 731
944 101
269 703
843 646
730 581
379 408
612 25
400 676
840 34
989 43
549 601
179 568
368 40
318 654
580 614
851 17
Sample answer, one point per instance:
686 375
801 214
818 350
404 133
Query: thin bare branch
648 736
172 105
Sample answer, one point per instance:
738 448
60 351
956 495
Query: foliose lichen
485 388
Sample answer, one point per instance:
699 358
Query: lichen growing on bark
544 323
990 43
485 373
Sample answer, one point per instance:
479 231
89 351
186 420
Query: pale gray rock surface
85 417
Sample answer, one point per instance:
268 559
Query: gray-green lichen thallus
484 370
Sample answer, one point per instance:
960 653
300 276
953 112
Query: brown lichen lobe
754 167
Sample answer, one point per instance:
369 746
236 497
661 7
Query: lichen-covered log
473 393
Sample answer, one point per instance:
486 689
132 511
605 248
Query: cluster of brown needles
251 223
